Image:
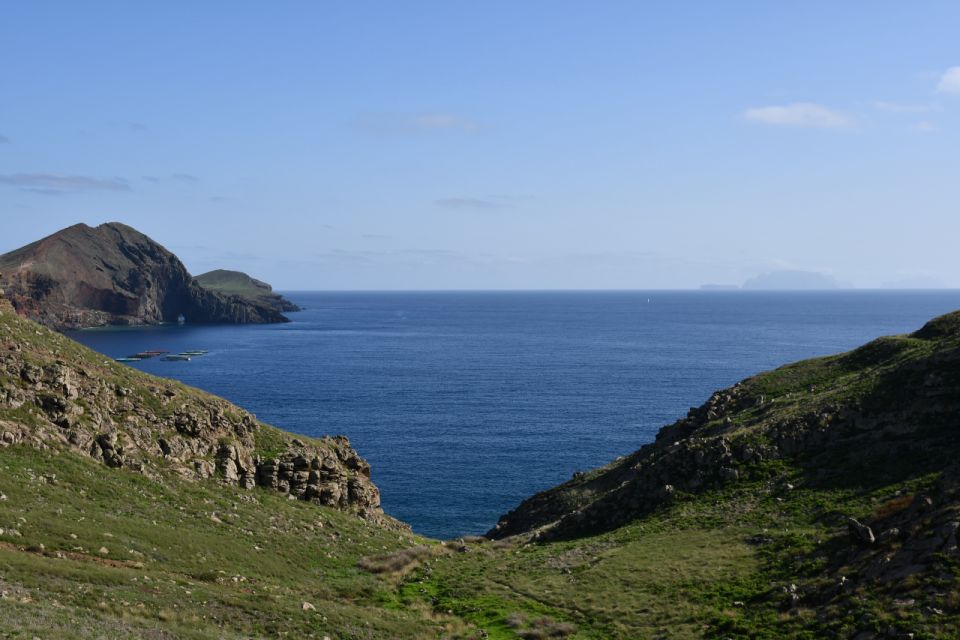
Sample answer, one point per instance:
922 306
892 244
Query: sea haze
466 403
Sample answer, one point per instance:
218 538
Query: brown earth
114 275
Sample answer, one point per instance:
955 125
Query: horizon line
623 290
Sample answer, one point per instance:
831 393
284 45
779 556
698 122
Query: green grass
693 570
270 442
197 559
88 551
183 558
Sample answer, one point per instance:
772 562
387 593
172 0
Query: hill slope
819 500
237 283
891 404
112 274
58 395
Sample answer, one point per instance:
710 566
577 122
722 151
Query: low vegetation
827 505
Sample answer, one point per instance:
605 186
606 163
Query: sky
496 144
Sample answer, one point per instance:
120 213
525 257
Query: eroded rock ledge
55 393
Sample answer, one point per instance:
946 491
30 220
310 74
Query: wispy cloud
798 114
923 127
394 123
441 121
896 107
176 177
59 183
396 258
469 203
607 259
950 81
44 192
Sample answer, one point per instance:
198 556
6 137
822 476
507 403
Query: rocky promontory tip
112 274
237 283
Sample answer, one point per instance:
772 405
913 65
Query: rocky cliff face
56 394
892 404
874 430
241 285
112 274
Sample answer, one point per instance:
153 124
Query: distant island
783 280
112 274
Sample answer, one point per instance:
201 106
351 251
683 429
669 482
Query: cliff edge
890 404
56 394
237 283
86 276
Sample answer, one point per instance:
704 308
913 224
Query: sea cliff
112 274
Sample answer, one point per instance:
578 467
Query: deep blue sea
466 403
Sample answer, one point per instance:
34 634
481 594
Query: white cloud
798 114
950 81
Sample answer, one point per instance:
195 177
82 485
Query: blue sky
419 145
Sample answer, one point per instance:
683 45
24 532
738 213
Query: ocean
465 403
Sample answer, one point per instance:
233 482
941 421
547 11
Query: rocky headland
237 283
112 274
55 394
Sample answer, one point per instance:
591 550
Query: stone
729 474
203 468
889 535
860 532
306 606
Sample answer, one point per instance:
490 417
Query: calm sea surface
466 403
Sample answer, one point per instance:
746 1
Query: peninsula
112 274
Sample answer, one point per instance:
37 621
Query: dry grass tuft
399 562
539 629
894 506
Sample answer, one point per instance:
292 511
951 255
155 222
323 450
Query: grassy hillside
87 552
769 551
